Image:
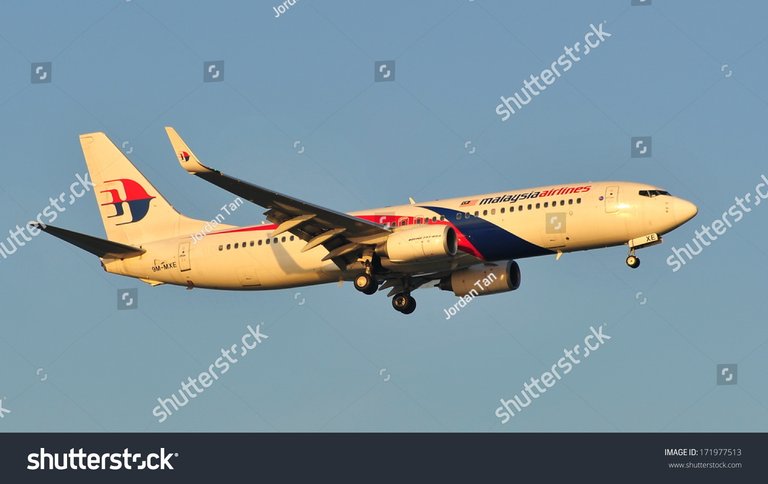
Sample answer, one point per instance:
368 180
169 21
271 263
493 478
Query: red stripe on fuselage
464 243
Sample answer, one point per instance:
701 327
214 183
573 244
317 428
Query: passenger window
267 241
221 247
562 202
458 216
578 200
274 241
493 211
570 201
235 245
502 209
291 238
260 241
252 243
530 206
229 246
511 209
538 205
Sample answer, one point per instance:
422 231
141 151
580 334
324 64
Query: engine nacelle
420 243
483 279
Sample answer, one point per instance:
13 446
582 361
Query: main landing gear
404 302
366 283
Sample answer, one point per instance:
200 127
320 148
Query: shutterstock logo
112 461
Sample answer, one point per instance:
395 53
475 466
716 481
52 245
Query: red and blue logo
136 198
183 156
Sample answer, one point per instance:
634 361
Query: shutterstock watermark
536 84
533 389
79 460
734 214
190 390
224 212
19 236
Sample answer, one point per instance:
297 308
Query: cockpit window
652 193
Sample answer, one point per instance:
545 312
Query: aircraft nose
685 210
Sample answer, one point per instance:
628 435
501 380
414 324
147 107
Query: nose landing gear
644 241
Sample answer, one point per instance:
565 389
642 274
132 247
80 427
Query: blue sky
688 74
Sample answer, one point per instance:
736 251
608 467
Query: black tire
411 306
365 283
633 262
400 301
404 303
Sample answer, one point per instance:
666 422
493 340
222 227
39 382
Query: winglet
186 157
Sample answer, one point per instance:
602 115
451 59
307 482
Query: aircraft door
611 199
555 230
184 262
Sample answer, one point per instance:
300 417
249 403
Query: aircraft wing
344 236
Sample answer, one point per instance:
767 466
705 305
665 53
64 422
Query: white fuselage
490 227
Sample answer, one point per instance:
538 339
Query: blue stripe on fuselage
492 241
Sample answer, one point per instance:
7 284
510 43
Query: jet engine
420 243
483 279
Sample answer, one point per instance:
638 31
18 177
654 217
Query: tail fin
132 210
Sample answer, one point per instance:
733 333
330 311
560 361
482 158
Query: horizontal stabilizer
94 245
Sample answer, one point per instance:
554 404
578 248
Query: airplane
451 244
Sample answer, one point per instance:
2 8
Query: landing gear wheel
633 262
404 303
366 284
